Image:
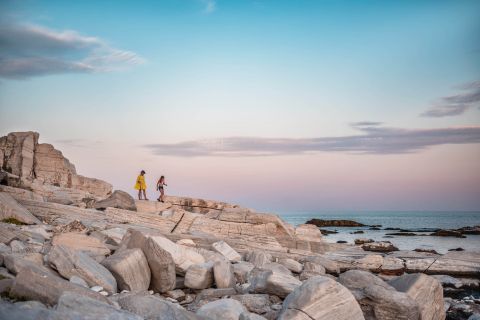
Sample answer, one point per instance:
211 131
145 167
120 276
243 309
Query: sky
280 106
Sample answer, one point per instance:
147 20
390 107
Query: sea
419 222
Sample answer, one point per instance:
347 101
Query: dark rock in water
426 250
389 237
384 246
376 225
391 229
327 232
470 230
334 223
448 233
363 240
374 228
357 232
456 249
342 241
405 234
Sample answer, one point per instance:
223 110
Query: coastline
71 245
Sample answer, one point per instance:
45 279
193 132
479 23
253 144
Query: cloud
30 50
373 140
456 104
209 6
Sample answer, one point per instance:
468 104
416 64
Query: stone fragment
291 265
223 309
87 308
251 316
321 298
34 283
329 265
77 263
228 252
79 281
154 308
10 209
258 303
80 242
15 263
199 276
377 299
118 199
275 283
258 258
425 290
130 269
177 294
223 274
311 269
241 270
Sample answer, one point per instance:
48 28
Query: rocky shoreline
72 248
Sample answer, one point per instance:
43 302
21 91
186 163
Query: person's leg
162 194
144 194
139 194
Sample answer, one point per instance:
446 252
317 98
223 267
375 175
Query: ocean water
411 220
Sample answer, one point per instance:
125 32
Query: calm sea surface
411 220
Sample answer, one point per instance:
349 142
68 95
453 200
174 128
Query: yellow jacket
141 185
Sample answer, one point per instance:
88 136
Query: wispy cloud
209 6
374 140
453 105
32 50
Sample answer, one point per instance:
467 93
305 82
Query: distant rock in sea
334 223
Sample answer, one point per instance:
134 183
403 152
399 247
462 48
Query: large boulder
118 199
321 298
271 282
223 309
77 263
10 209
153 308
160 261
34 283
223 274
130 269
426 291
86 308
378 300
199 276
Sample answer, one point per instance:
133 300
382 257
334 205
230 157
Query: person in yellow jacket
141 186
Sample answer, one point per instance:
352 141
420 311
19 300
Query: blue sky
149 76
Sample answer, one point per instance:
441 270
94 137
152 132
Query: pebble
96 288
104 293
276 307
150 291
